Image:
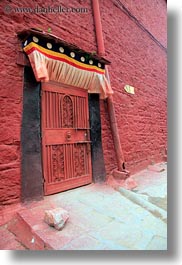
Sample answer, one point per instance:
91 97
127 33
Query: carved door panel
65 138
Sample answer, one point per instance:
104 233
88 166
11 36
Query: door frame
31 141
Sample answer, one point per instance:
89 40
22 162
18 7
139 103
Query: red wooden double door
65 138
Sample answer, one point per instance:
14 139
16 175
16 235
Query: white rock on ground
56 218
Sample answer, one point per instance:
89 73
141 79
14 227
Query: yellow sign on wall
129 89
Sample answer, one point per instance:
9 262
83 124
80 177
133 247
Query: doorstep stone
56 218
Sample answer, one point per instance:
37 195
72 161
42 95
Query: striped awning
54 60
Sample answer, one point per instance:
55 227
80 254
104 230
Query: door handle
68 136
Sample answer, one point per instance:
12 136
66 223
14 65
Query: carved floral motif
58 162
67 115
79 158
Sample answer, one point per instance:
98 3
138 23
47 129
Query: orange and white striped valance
58 63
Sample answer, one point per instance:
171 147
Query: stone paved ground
110 221
101 218
153 185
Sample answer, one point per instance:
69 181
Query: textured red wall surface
136 60
139 61
151 14
76 28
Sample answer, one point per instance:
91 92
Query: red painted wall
76 28
136 60
151 14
